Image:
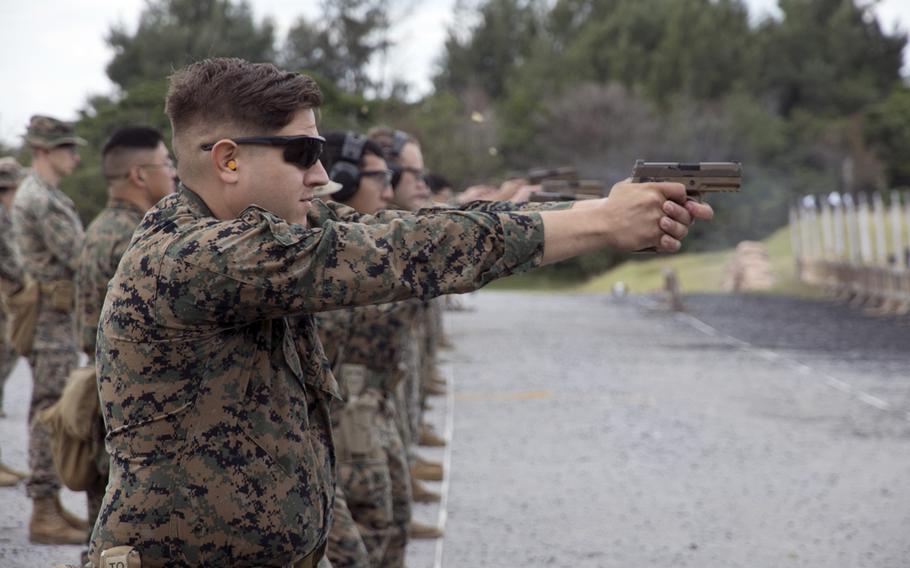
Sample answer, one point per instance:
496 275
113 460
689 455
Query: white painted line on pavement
700 325
769 355
799 367
446 467
838 384
874 401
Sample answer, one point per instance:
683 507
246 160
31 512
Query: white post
827 227
794 233
815 229
878 219
837 208
804 233
897 243
852 229
865 243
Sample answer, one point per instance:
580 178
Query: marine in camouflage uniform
139 172
11 276
214 385
106 239
372 462
12 279
49 236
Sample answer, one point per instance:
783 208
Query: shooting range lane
800 368
659 444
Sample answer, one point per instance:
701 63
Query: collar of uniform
196 203
40 181
52 189
118 203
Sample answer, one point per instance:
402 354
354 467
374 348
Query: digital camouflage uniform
11 279
213 382
346 547
374 475
106 239
49 236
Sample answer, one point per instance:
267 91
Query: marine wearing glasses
303 151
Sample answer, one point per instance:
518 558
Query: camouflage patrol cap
11 173
48 132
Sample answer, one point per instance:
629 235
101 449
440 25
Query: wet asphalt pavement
587 431
751 431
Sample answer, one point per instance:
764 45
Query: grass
697 272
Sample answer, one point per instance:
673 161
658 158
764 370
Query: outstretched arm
636 216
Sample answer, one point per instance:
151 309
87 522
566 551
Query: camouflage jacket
371 336
49 235
106 239
11 275
213 382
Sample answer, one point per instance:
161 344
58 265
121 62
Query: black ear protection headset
346 169
399 139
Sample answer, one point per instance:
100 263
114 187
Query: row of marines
384 355
220 316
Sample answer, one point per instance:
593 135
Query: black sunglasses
303 151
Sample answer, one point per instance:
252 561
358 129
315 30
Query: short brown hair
211 95
258 96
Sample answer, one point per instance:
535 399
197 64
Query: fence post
837 205
878 220
865 243
795 241
897 240
827 226
814 228
852 229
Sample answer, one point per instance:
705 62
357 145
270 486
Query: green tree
341 47
500 41
173 33
888 131
827 57
170 34
142 104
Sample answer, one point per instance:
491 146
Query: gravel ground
750 431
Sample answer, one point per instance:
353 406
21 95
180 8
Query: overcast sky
53 55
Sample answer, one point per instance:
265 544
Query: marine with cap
12 280
49 236
214 386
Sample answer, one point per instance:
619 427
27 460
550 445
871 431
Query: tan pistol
698 177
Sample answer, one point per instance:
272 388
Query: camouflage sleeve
334 211
61 235
334 330
500 206
10 262
97 266
324 211
259 267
